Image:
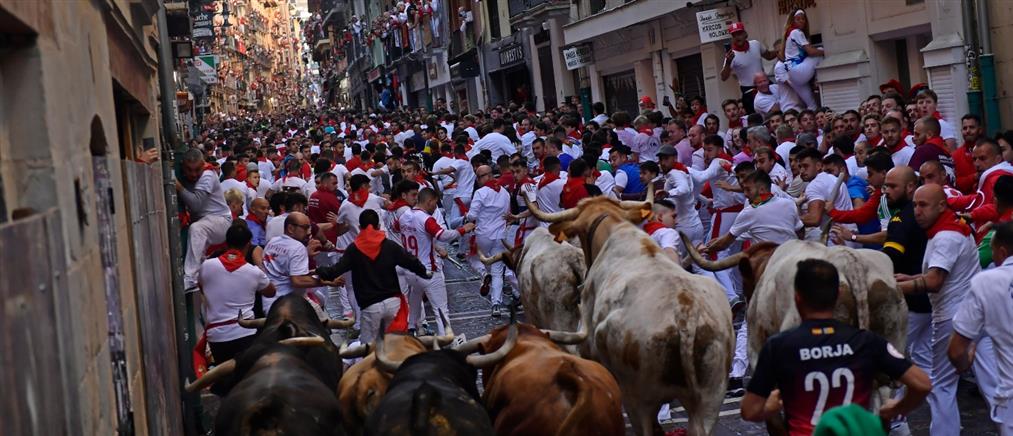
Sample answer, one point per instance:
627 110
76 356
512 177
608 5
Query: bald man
287 259
950 260
934 173
905 244
256 220
489 207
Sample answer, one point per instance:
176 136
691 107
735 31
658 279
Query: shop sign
578 56
510 55
785 7
713 24
373 74
207 65
202 25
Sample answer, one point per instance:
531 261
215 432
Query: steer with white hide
664 333
549 274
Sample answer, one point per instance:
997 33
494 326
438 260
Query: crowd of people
361 211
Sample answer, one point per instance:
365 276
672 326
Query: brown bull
663 332
539 389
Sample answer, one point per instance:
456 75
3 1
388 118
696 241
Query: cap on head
646 100
667 150
736 27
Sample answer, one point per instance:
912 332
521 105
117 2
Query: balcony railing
517 7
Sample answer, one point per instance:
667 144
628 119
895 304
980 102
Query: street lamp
225 15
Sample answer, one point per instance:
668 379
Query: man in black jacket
372 258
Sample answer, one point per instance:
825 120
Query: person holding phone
744 57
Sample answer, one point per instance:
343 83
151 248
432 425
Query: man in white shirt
766 100
420 232
291 181
293 202
266 165
287 259
927 102
950 261
600 117
488 209
745 58
210 216
679 186
550 187
818 192
230 286
464 176
987 311
495 141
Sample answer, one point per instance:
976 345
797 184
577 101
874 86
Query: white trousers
435 289
1002 414
730 279
799 76
919 340
498 270
376 315
205 232
740 361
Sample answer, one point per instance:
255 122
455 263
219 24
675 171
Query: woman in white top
800 57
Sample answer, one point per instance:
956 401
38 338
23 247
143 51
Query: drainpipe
974 105
171 145
986 62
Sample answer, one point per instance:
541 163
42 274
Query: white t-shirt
903 156
746 64
600 119
548 196
778 173
465 176
820 188
284 257
288 183
956 254
764 103
784 150
349 213
946 130
987 309
275 226
340 171
776 220
793 47
495 142
668 238
226 294
266 168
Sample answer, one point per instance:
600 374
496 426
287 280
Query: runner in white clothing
494 141
420 231
210 216
488 210
287 259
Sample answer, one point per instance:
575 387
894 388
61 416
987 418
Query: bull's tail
423 402
586 414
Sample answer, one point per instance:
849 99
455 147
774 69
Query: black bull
286 382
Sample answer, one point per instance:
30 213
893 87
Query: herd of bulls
638 331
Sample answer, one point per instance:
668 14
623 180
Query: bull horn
355 352
434 342
506 245
498 257
382 361
555 217
215 374
472 345
648 201
253 323
708 264
304 341
486 360
825 229
345 323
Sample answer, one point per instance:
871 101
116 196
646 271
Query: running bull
539 389
664 333
434 393
550 275
285 383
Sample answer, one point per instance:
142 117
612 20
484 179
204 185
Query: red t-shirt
320 203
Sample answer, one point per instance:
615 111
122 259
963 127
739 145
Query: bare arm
931 281
814 216
918 387
757 409
961 352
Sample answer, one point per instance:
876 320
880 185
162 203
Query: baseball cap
646 100
736 27
667 150
806 139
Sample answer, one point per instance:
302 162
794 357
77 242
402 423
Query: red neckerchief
353 163
262 159
521 131
232 259
367 165
397 204
873 141
506 179
241 173
575 134
359 197
463 157
900 146
698 114
448 155
740 47
646 131
680 167
250 185
548 178
493 184
855 136
573 191
369 241
948 221
724 155
208 166
652 226
937 115
762 199
252 217
737 123
420 179
938 142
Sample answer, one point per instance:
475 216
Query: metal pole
171 145
974 103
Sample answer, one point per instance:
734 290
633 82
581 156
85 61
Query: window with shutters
690 71
840 95
941 81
